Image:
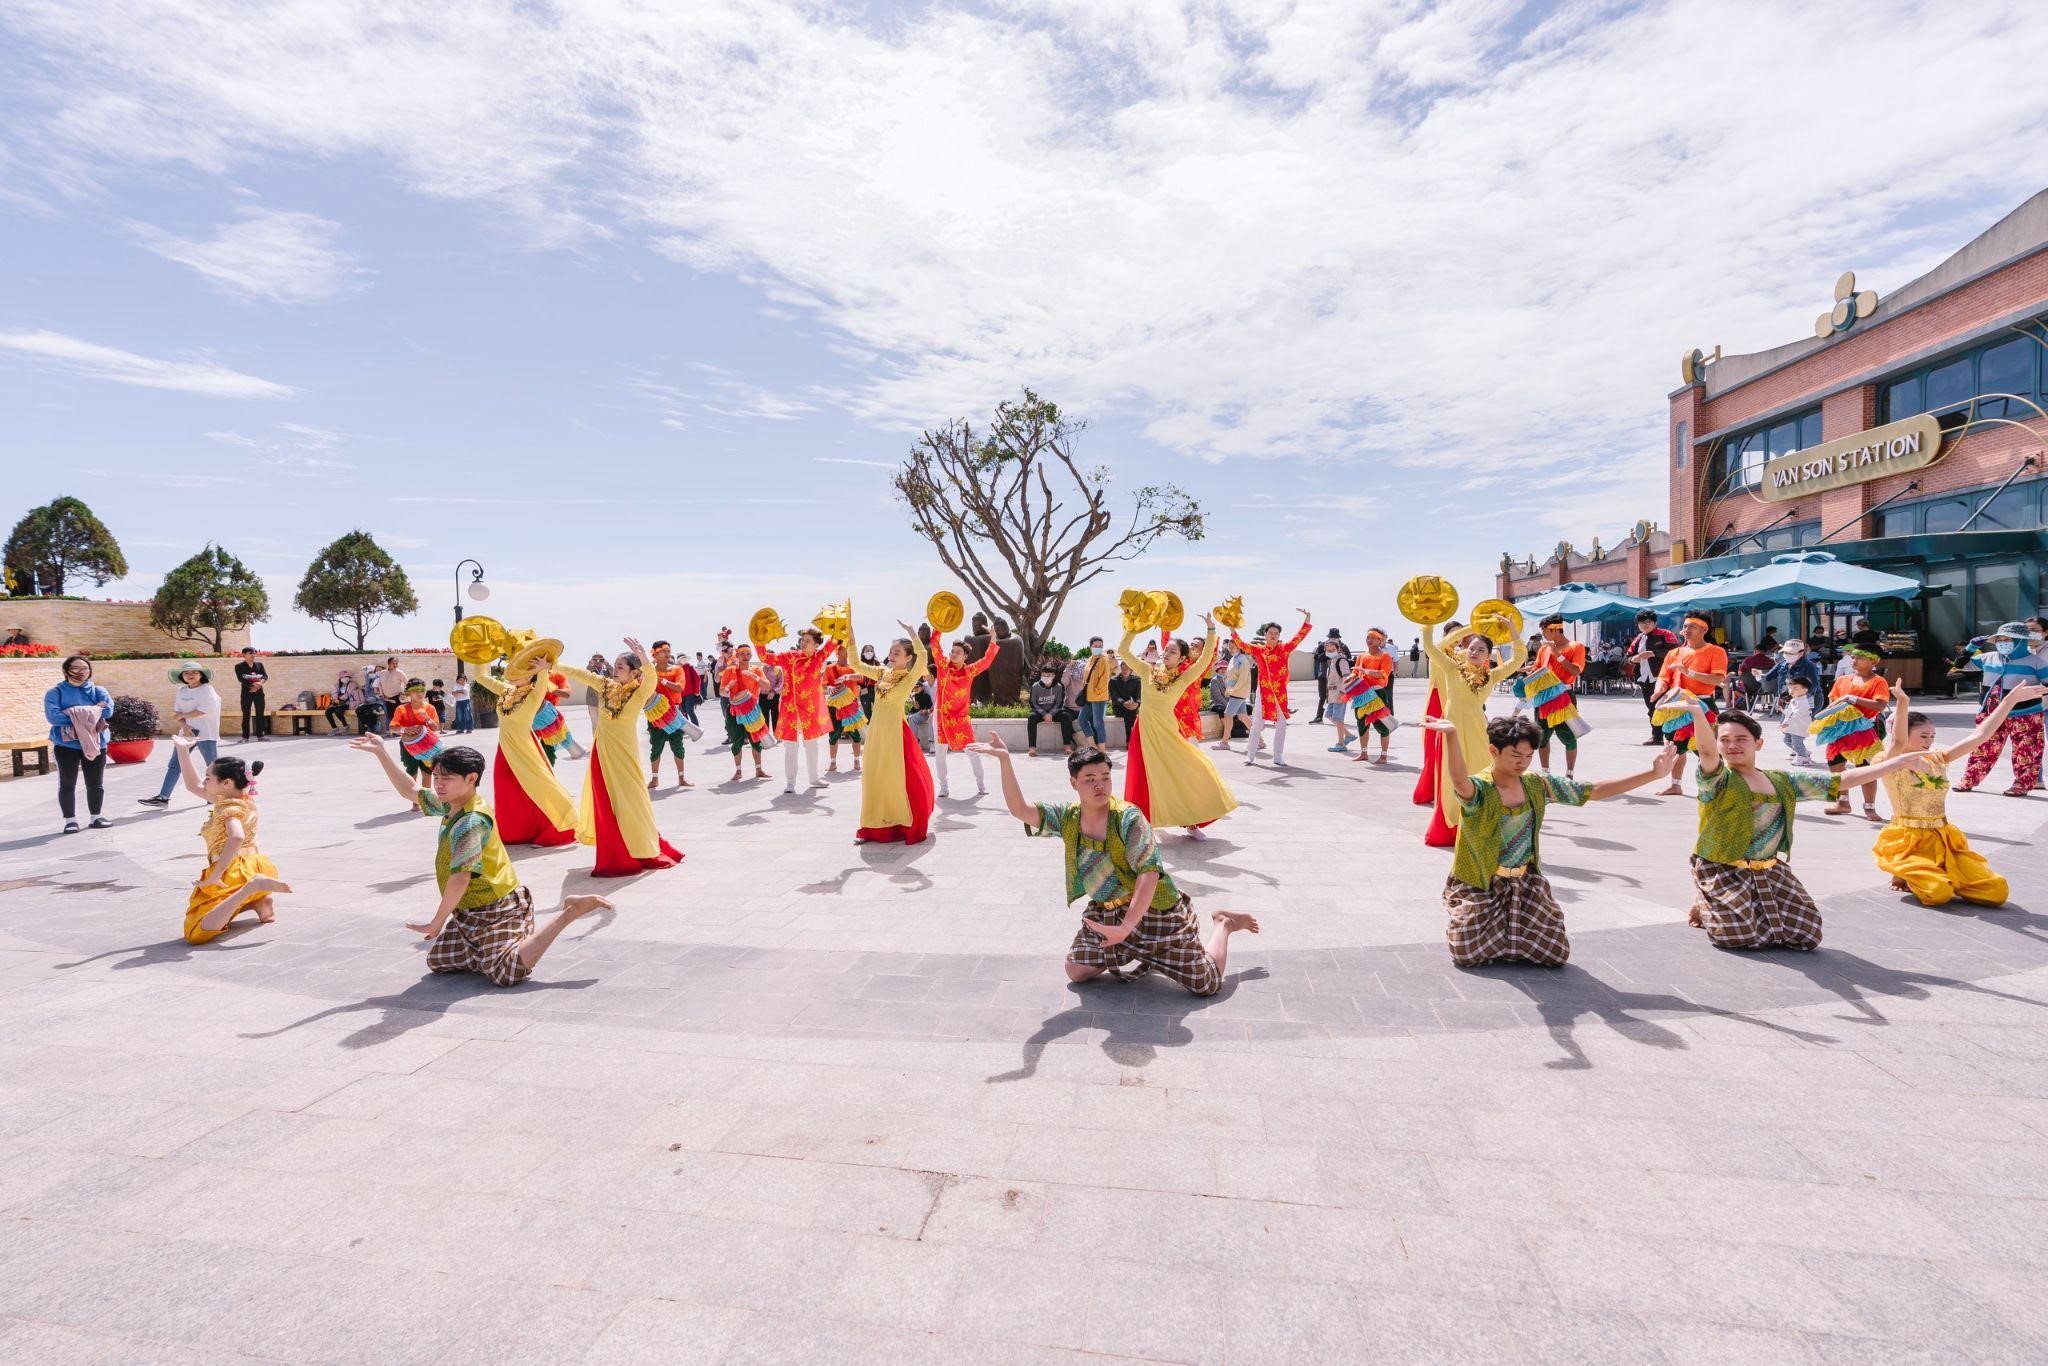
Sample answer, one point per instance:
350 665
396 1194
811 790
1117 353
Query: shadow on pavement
424 1002
1856 979
171 950
1132 1038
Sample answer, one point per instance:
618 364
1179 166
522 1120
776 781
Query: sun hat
2012 630
177 675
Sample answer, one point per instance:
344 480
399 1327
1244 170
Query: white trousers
973 763
789 749
1259 723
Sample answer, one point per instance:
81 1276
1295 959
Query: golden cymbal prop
1499 620
479 640
764 626
1427 600
945 611
1230 613
527 652
1141 609
835 619
1174 614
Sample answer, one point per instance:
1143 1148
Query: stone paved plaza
798 1100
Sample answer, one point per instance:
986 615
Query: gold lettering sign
1893 448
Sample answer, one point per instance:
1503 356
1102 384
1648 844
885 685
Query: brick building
1905 434
1629 567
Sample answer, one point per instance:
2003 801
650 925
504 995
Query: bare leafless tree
1015 514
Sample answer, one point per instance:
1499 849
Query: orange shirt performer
667 728
1375 668
849 718
1697 667
1867 691
1564 661
1271 655
803 719
956 687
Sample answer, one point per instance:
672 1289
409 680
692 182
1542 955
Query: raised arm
924 659
1013 795
1705 743
1518 654
400 783
1614 787
1986 728
1136 665
979 666
1902 707
1194 671
1454 757
583 676
1859 777
1294 641
188 764
853 660
1437 652
492 685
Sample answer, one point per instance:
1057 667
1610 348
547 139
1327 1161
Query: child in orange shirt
1872 695
418 728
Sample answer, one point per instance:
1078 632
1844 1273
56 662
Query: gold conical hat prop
1141 609
945 611
835 619
765 626
479 640
1174 614
1499 620
1427 600
527 651
1230 612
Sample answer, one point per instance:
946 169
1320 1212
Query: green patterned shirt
1106 869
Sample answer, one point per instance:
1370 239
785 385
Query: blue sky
633 305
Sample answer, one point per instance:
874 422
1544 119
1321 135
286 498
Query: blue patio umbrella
1793 580
1580 602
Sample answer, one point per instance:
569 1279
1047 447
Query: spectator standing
771 693
437 698
251 674
1645 660
1094 719
391 681
77 710
1332 647
465 712
1073 682
197 707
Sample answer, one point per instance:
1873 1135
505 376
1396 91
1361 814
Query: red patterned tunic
1272 662
1187 711
803 715
956 686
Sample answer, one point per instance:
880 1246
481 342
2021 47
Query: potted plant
132 730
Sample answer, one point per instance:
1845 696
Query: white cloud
865 464
265 254
302 450
1366 230
94 361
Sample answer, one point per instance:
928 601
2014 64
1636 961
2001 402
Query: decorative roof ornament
1692 366
1851 307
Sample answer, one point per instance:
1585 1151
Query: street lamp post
478 589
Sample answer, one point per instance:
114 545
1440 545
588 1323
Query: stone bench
25 750
301 718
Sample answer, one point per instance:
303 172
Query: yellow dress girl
1169 780
531 805
895 783
1464 663
1922 851
615 813
237 877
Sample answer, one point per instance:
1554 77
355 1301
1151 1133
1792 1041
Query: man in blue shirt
2014 660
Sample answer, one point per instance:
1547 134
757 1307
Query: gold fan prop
945 611
1427 600
835 619
1140 609
765 626
1230 613
1499 620
479 640
1174 614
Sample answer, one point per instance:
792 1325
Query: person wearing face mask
78 710
2014 660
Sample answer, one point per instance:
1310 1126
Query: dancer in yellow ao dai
1463 661
615 813
896 797
1169 780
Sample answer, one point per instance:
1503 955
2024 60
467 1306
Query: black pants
1649 691
771 709
69 764
337 716
1066 720
369 719
252 705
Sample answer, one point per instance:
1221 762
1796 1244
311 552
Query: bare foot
1900 884
583 904
267 886
760 772
735 775
681 781
1838 809
654 782
1692 918
1673 791
266 910
1235 920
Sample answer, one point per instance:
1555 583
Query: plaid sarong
1753 908
1516 918
487 940
1168 941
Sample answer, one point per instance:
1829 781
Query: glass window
1681 446
1997 596
1948 515
1784 439
1950 384
2016 509
1946 611
2007 368
1895 521
1902 398
1809 430
1755 451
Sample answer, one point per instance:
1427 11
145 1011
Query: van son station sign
1894 448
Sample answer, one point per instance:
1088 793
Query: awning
1580 602
1792 579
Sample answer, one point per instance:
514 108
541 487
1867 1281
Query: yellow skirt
1938 865
204 899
